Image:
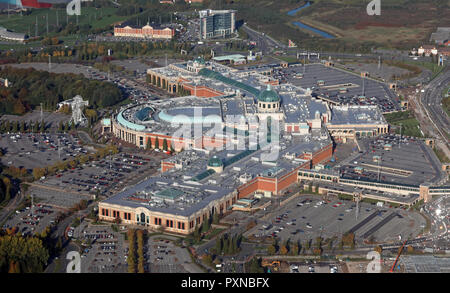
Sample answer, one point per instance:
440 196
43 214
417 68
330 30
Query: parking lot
38 150
425 264
313 267
106 176
51 119
32 220
310 217
376 93
401 160
165 257
56 198
385 72
104 250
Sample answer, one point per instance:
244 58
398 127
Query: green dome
268 95
215 162
200 60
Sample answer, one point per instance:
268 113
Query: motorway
263 41
431 102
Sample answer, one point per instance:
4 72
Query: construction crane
398 256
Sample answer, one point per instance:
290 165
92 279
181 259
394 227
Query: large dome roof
268 95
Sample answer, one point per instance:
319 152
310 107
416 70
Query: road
263 41
59 264
430 102
11 206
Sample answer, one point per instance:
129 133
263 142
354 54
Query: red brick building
147 32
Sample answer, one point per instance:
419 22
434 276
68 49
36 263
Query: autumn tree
165 146
284 250
271 250
378 249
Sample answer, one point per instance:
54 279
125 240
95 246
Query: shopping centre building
236 135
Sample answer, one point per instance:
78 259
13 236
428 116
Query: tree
58 245
207 258
131 260
157 143
317 251
284 250
19 107
216 218
308 244
14 268
66 127
22 127
225 244
149 143
206 225
330 244
234 244
271 250
318 242
7 183
196 233
410 249
255 266
38 173
165 147
22 254
219 245
117 220
140 250
141 267
348 239
294 249
378 249
15 126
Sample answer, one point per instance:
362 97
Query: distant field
402 23
97 18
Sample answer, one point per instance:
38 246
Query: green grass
446 100
97 18
213 233
417 205
288 59
433 67
441 155
409 124
370 200
345 197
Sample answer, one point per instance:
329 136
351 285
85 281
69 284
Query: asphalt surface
264 42
432 101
